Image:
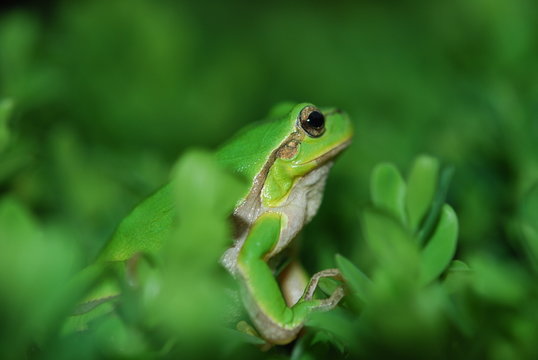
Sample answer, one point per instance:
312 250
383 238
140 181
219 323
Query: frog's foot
331 301
336 296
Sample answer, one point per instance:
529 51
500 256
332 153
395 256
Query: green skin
278 157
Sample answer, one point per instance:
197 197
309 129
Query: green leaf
433 215
337 323
191 295
458 276
458 266
325 337
359 283
529 207
388 190
530 243
390 243
498 281
328 285
34 284
202 185
241 337
421 186
6 107
440 250
528 225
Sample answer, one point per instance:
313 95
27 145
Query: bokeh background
106 95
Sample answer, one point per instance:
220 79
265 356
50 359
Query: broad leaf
432 217
6 106
421 186
528 225
388 190
358 282
440 250
390 243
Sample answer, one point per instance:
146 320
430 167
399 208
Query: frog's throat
296 210
283 175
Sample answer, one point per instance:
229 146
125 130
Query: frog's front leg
275 320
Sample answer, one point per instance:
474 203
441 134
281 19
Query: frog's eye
312 121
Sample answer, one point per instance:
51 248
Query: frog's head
294 141
316 137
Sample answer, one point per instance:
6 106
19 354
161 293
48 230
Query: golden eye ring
312 121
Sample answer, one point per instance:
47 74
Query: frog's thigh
293 281
274 320
254 272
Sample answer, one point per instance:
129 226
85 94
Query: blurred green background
105 96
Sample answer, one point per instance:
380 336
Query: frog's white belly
299 207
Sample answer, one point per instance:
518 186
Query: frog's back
247 152
152 219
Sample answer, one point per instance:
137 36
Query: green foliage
437 254
6 106
421 187
35 298
191 296
413 303
401 219
98 99
527 226
388 191
400 301
357 281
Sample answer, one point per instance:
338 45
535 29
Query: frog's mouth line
331 154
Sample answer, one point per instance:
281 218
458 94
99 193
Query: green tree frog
286 160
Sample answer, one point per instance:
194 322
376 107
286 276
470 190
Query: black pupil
316 119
